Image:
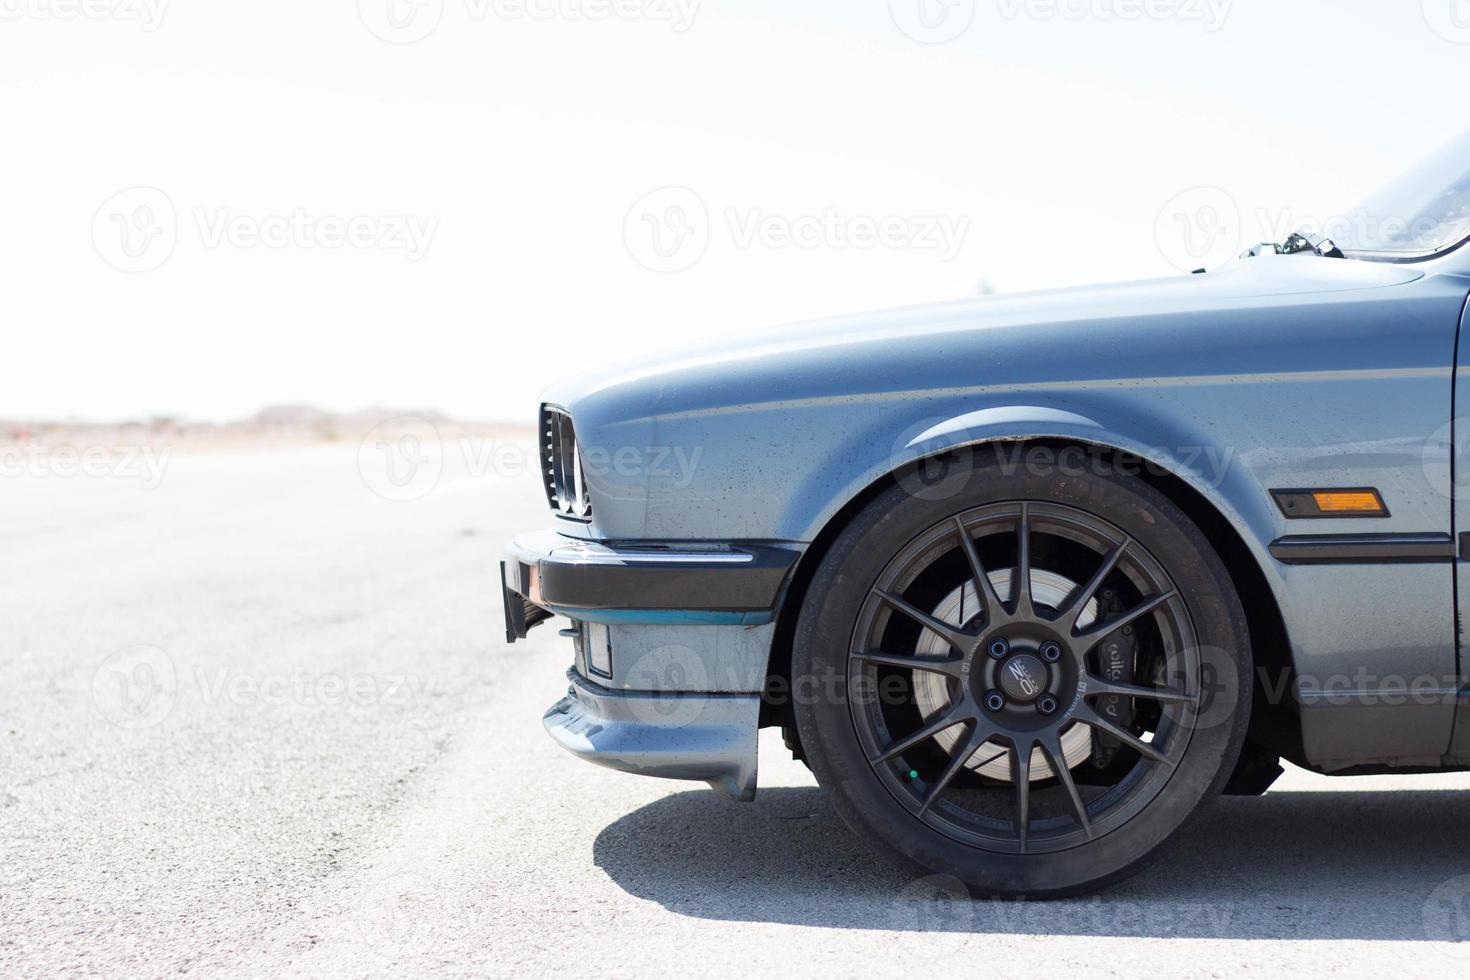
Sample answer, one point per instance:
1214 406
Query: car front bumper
687 633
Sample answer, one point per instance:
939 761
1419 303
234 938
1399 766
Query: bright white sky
518 145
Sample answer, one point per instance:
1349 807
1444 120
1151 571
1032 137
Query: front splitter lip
706 737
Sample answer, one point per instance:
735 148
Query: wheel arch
1274 722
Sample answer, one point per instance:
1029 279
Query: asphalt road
259 719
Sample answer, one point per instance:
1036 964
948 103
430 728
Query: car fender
1208 467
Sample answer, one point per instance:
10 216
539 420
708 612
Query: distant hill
272 425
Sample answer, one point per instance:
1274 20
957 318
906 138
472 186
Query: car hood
1167 327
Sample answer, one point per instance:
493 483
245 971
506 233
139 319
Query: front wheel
1029 682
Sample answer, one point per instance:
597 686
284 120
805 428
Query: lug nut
995 701
1047 705
999 647
1051 651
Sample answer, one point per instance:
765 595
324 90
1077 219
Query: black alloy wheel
1040 676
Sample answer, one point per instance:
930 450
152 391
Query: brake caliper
1117 657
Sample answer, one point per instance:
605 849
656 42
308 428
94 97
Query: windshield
1426 210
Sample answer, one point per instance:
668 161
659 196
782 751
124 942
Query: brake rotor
931 691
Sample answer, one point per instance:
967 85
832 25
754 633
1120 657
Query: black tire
841 726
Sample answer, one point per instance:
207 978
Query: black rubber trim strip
1300 505
1363 549
651 585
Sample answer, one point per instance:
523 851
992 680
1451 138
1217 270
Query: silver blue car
1026 580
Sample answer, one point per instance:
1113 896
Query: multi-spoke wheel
1034 682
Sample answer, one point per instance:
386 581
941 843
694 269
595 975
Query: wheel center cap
1023 678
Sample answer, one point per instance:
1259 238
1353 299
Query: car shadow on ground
1313 865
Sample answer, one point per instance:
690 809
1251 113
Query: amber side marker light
1300 504
1333 502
